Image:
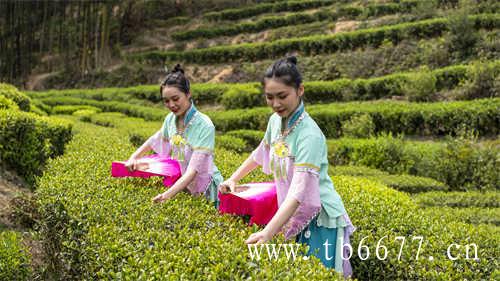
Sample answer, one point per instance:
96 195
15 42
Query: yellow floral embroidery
281 150
178 140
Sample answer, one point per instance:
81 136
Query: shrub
482 82
316 91
28 140
421 86
10 92
471 215
316 44
236 14
424 119
70 109
253 138
293 19
104 228
14 257
231 143
360 126
406 183
6 103
490 199
242 97
461 165
84 113
462 36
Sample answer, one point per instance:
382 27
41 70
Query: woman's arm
245 168
142 151
178 186
286 210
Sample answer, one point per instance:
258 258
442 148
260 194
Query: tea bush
424 119
236 14
490 199
14 257
10 92
461 165
28 140
316 44
108 228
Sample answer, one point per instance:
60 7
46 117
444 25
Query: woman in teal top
294 150
188 136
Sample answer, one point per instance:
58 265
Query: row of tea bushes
14 257
12 93
424 119
236 14
107 228
490 199
349 12
396 84
247 140
471 215
459 163
28 140
245 95
316 44
148 113
70 109
405 183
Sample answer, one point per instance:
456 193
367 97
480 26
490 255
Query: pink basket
259 201
150 166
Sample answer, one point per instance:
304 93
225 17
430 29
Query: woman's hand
162 197
131 164
227 186
259 237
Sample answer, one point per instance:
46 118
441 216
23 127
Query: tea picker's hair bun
292 59
178 68
176 79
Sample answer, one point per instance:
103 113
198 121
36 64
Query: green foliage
39 104
108 227
461 165
424 119
10 92
483 80
360 126
316 44
6 103
246 95
14 257
70 109
84 114
421 87
458 199
462 35
269 22
231 143
236 14
355 171
406 183
105 228
253 138
242 97
28 140
472 215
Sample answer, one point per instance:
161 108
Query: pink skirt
258 200
150 166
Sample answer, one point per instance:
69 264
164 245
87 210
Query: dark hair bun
292 59
178 68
